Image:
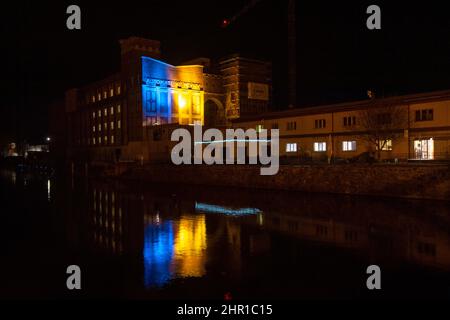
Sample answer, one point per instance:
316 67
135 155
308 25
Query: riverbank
416 181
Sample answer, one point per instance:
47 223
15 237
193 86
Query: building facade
113 118
412 127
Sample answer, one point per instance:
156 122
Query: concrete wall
409 181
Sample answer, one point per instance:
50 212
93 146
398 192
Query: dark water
146 241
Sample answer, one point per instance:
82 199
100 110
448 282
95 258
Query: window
150 101
99 113
112 139
291 126
320 146
164 103
424 115
105 125
99 96
291 147
118 89
118 108
99 128
275 125
106 139
105 94
349 146
93 115
105 112
93 98
385 145
118 124
112 125
259 128
111 112
111 92
319 124
93 141
93 129
349 121
196 104
99 140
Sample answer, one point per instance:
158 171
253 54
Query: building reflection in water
177 236
174 249
158 253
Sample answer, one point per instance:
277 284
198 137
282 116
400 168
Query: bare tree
383 123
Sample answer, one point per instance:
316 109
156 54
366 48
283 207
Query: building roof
349 106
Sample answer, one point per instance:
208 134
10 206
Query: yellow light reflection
190 246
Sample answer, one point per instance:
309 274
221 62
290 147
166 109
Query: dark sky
338 57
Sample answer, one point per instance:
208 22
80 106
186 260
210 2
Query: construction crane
292 42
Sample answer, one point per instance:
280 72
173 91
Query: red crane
292 61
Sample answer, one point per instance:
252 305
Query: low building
410 127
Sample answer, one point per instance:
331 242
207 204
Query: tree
383 125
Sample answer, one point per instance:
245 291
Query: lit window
320 146
111 92
259 128
118 108
118 124
93 98
99 127
99 113
118 89
291 147
112 125
348 145
112 139
99 97
93 128
385 145
105 112
93 141
105 94
99 139
93 115
106 139
112 111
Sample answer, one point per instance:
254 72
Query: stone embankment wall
428 181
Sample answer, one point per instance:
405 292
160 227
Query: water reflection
192 234
49 189
158 253
190 246
174 249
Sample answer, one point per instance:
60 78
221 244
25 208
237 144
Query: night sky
338 57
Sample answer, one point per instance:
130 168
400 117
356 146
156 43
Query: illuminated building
112 118
323 132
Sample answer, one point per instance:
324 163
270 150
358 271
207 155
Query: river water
143 241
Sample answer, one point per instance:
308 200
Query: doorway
424 149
